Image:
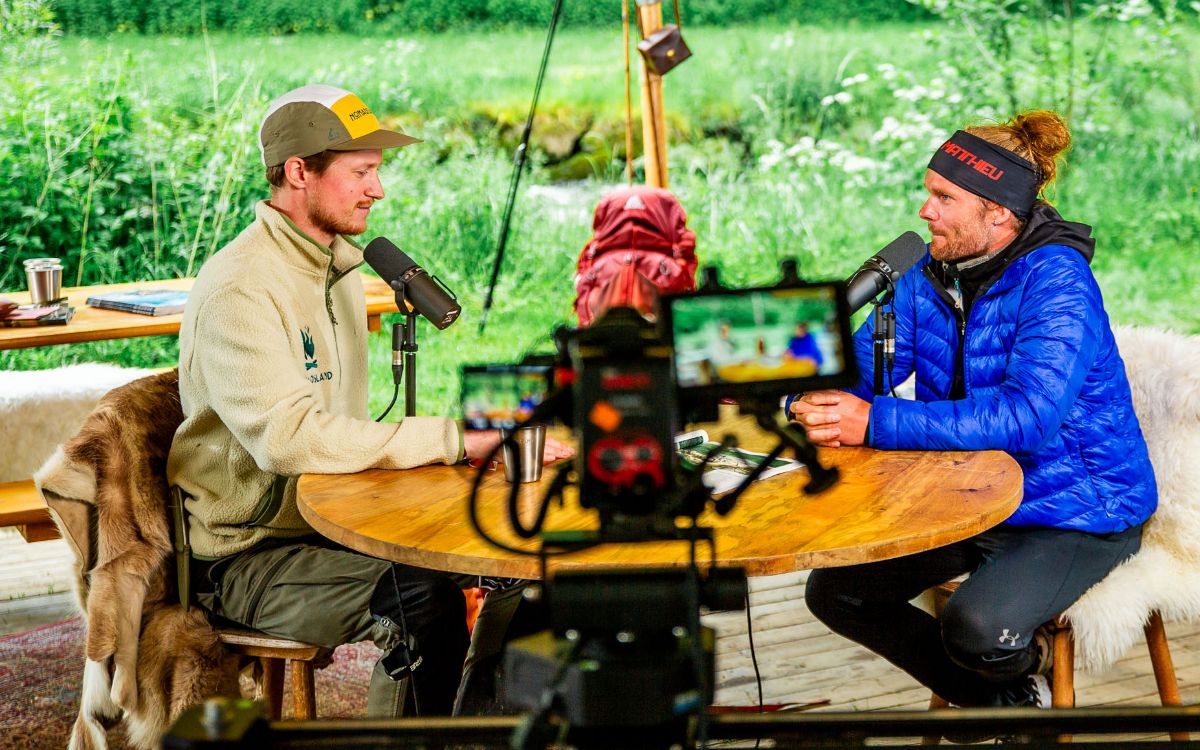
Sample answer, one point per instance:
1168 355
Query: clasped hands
831 418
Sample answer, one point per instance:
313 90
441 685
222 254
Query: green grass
177 167
444 75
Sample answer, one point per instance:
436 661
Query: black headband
989 171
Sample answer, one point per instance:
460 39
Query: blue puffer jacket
1043 381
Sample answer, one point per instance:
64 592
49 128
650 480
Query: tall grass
134 157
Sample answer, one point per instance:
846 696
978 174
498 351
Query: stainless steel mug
44 276
529 448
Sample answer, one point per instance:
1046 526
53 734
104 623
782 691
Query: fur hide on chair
1164 375
146 658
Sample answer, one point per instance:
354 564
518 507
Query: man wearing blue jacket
1004 327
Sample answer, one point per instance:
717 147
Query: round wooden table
887 504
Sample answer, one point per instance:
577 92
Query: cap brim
379 139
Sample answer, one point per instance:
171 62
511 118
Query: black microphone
426 294
883 269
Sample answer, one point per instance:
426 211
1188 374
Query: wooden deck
799 659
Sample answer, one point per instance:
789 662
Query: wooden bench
21 505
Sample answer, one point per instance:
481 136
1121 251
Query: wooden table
888 503
96 324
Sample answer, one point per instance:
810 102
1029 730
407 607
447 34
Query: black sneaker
1032 692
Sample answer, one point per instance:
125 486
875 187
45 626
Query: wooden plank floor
799 659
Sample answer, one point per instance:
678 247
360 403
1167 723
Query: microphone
425 294
883 269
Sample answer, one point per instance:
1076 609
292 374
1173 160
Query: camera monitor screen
763 342
501 396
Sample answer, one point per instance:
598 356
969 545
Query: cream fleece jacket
273 383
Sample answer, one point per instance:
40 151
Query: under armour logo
1010 638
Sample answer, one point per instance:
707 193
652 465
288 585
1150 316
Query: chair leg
935 702
272 686
304 698
1164 668
1062 675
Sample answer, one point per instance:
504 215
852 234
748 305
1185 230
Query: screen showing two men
758 336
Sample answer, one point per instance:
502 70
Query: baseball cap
316 118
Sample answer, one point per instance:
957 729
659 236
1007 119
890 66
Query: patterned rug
41 670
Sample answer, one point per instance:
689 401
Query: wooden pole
628 97
654 122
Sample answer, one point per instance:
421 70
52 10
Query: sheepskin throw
41 408
1164 375
146 659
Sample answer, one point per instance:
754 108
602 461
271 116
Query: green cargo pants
314 591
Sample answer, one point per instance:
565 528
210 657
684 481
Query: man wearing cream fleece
273 382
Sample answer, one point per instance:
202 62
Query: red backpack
640 248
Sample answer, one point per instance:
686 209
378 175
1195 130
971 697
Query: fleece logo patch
310 357
310 350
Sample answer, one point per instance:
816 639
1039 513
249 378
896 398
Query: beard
963 242
328 221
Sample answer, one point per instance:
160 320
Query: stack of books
142 301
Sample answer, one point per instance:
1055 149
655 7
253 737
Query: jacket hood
1047 227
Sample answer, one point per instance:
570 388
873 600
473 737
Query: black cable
754 661
395 395
514 496
412 668
473 514
522 153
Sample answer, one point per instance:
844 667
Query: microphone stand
406 369
883 339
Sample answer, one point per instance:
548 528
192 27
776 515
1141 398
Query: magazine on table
142 301
728 469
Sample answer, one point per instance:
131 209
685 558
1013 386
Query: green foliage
97 17
95 171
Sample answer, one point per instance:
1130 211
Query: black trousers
1019 579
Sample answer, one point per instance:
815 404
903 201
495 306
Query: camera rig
625 386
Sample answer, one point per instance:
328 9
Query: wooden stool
272 653
1062 672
